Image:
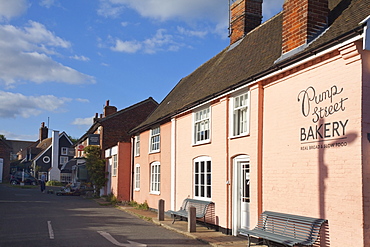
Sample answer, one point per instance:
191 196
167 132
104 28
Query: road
31 218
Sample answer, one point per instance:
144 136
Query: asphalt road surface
29 218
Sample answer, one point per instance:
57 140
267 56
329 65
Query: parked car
16 178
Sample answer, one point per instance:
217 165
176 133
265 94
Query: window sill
154 193
202 143
155 151
239 136
203 199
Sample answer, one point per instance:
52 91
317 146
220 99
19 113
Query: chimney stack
43 133
245 15
109 110
303 20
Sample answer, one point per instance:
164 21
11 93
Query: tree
2 137
73 140
95 166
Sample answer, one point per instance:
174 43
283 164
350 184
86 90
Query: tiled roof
256 55
99 122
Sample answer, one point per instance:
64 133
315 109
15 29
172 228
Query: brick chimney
43 134
303 20
109 110
245 15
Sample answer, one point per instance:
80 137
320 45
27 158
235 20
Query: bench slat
200 209
287 229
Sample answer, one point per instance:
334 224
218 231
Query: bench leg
174 218
249 240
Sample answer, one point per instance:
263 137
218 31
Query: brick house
110 132
9 152
278 120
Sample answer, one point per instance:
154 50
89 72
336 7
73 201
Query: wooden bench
286 229
200 206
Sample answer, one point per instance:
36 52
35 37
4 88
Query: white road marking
115 242
51 232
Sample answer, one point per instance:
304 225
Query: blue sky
61 60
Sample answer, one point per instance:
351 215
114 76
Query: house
53 153
110 132
279 120
9 150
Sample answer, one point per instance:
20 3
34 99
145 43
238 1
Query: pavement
202 233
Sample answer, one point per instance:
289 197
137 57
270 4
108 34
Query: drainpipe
260 148
132 168
173 164
229 219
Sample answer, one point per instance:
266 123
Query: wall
145 159
366 142
303 173
124 171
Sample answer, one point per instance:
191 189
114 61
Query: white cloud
80 58
82 100
186 10
15 136
25 56
16 104
83 121
126 46
159 42
215 12
110 9
48 3
12 8
192 33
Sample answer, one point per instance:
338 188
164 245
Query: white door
241 193
244 194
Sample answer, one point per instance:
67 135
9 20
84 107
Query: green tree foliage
73 140
96 168
2 137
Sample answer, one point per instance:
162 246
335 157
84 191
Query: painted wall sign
319 107
94 139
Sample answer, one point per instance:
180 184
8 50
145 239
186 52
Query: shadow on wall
323 167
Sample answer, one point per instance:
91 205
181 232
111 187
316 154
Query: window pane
208 191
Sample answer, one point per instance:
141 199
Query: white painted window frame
200 185
137 177
155 178
201 118
137 145
155 140
64 151
63 160
236 111
114 165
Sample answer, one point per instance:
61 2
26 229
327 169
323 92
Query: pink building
278 121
